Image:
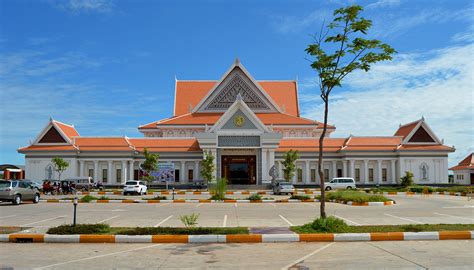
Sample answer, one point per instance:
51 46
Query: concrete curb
238 238
225 201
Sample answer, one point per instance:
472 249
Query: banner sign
165 172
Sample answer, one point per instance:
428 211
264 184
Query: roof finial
50 118
237 61
238 97
422 118
175 78
400 125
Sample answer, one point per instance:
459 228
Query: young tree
289 166
407 180
149 165
338 50
60 165
207 167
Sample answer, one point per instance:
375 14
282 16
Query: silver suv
16 191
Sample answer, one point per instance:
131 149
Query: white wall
462 177
437 169
35 168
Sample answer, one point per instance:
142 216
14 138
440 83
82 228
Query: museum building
247 125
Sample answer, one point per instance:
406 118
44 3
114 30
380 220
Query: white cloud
86 6
292 24
383 3
437 84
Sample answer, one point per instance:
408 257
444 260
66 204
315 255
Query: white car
283 187
340 183
135 186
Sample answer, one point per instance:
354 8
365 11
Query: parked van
340 183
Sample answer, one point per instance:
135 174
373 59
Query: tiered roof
465 164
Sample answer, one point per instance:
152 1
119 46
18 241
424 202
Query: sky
108 66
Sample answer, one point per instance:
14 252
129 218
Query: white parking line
199 204
407 219
307 256
98 256
107 219
462 207
43 220
286 220
348 220
9 216
224 223
163 221
453 216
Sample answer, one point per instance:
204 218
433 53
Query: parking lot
411 209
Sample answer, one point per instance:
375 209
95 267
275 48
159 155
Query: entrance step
270 230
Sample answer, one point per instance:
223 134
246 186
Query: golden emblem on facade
239 121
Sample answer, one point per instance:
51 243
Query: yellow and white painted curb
224 201
238 238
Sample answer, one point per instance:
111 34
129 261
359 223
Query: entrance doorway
239 170
472 178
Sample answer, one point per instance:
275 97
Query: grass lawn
353 196
307 228
106 229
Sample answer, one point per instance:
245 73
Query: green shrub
217 197
407 180
88 198
189 220
219 187
255 197
330 224
299 197
103 198
157 198
419 189
98 228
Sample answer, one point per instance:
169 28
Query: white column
196 170
96 171
379 171
334 169
109 171
131 170
351 168
81 168
307 173
366 172
264 164
394 179
280 169
318 180
182 172
344 168
124 171
271 158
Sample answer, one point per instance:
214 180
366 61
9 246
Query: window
104 175
119 175
24 184
176 175
91 173
384 174
300 175
326 175
339 172
357 174
371 175
313 175
190 175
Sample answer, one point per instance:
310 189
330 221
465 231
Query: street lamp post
75 206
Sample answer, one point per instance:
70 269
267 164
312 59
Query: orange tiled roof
310 145
166 145
372 143
465 164
211 119
70 131
406 129
425 147
190 93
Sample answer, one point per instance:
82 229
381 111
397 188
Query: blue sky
108 66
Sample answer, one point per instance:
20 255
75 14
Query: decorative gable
421 135
236 81
52 136
239 121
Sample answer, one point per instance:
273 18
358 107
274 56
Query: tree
407 180
207 167
289 164
60 165
149 165
338 50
